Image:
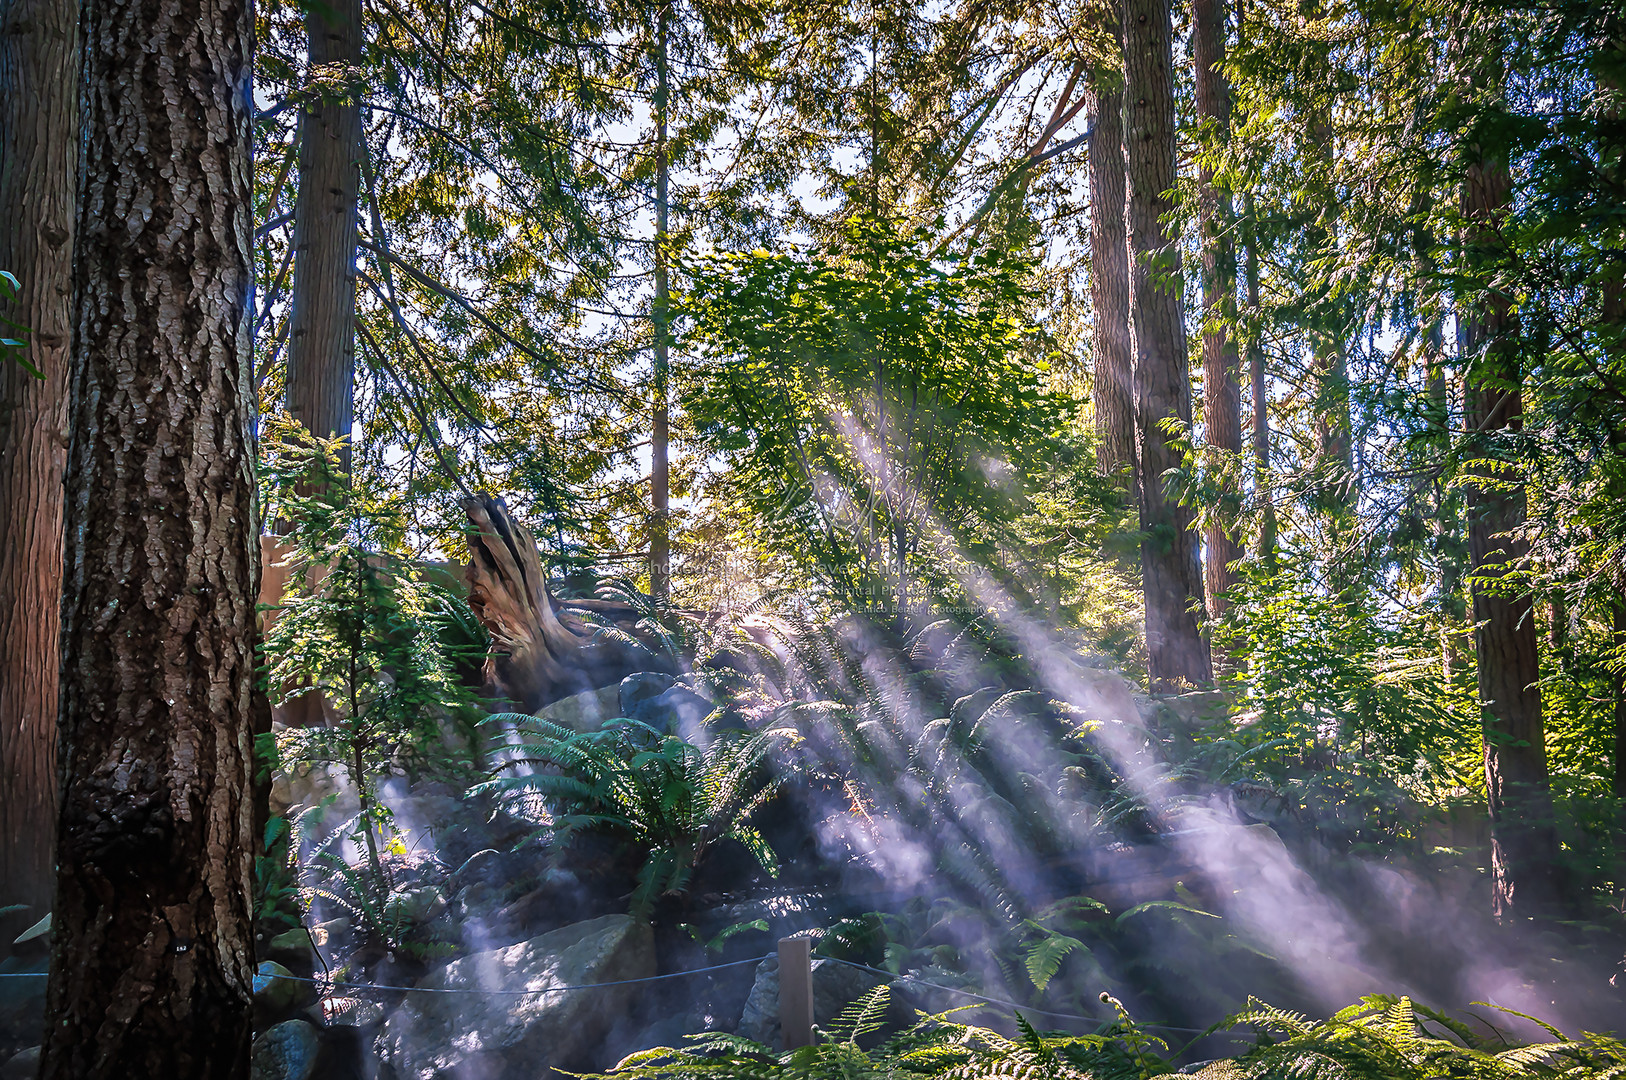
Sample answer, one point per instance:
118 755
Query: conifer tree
153 950
1171 577
1109 271
39 122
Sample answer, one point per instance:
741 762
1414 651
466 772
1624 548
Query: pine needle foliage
359 625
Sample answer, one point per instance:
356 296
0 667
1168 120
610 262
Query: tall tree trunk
1222 391
1523 841
1259 391
39 143
322 314
1258 377
1109 278
1329 358
152 957
1619 785
1171 577
660 540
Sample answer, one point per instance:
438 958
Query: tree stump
540 652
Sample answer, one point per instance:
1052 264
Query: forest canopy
1105 510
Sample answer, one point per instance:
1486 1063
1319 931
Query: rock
286 1051
351 1012
331 932
415 906
278 992
587 710
292 949
680 711
509 1036
23 1065
640 687
835 986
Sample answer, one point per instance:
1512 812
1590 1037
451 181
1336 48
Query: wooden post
796 992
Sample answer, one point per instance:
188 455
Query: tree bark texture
1222 389
322 313
39 143
1171 577
1109 278
660 540
1523 840
152 959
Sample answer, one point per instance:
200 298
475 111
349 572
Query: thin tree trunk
1329 359
1172 581
1620 700
39 125
660 541
1523 841
1222 392
322 314
152 958
1258 377
1109 279
1259 390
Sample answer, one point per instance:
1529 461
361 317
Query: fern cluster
852 1048
1380 1038
1392 1038
668 798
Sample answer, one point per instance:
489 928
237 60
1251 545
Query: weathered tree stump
540 651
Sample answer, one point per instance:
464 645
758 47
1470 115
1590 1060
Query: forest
745 539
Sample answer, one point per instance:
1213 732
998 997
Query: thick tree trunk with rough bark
660 480
1171 577
1109 278
1523 840
1222 389
39 143
152 959
322 313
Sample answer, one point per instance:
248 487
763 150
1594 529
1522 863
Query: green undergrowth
1382 1036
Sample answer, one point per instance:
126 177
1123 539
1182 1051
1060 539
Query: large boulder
587 710
286 1051
666 705
23 1065
639 687
491 1030
278 993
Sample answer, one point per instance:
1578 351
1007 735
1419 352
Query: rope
516 993
464 990
670 975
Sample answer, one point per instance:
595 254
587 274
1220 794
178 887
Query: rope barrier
515 993
335 985
669 975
